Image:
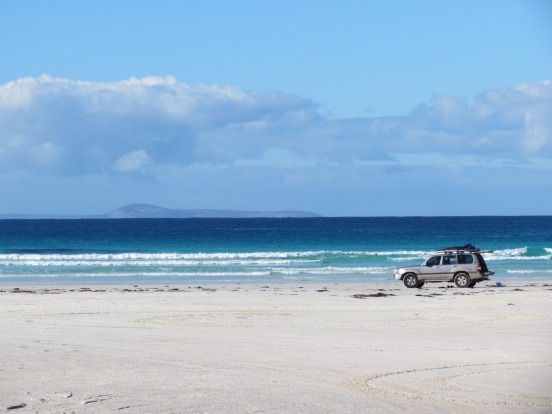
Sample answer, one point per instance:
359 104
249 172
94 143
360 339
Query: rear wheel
420 284
410 280
462 280
472 284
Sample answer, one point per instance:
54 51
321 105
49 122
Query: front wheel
410 280
462 280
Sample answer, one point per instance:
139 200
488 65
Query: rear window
482 263
465 258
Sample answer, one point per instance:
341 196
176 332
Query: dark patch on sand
16 407
372 295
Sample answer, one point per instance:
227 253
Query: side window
465 258
449 260
434 261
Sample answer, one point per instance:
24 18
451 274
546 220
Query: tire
472 284
420 284
410 280
462 280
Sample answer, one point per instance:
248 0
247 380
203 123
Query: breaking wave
278 264
521 253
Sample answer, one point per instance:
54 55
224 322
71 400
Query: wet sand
239 348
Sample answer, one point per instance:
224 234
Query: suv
463 265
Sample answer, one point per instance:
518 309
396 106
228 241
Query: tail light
478 269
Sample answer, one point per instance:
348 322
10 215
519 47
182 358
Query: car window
435 260
449 260
482 263
465 258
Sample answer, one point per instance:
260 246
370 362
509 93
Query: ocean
263 250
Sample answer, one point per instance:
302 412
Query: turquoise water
261 250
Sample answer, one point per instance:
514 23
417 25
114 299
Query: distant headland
152 211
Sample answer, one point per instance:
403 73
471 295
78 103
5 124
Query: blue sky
338 107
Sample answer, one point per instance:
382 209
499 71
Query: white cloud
75 128
538 128
132 161
89 125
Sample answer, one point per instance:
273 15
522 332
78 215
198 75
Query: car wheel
472 284
462 280
420 285
410 280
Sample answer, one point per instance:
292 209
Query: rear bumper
485 276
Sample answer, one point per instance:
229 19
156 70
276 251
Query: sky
343 108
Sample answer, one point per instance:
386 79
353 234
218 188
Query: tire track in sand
442 384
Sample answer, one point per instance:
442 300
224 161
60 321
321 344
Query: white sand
283 348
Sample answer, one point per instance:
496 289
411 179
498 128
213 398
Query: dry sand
279 348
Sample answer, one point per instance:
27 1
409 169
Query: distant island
152 211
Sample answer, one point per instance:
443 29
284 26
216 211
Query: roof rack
467 248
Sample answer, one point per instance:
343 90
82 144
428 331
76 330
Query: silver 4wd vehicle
463 265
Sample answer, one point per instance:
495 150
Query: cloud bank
75 127
159 129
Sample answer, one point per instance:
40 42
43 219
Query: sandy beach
293 348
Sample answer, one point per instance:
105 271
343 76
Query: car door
449 264
432 268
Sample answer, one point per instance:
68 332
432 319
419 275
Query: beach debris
372 295
16 407
17 290
432 295
96 399
137 290
205 289
47 291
